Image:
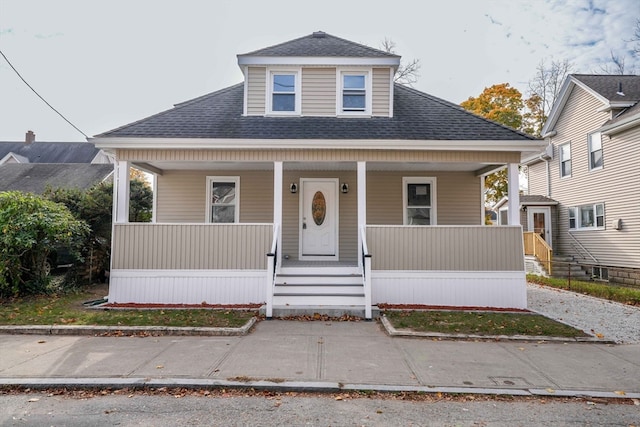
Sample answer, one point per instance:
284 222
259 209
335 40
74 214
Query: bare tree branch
407 73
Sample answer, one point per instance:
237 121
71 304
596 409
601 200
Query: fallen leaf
338 397
636 402
600 336
160 367
550 390
41 342
620 393
521 348
33 399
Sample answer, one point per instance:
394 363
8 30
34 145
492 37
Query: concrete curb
289 386
393 332
126 330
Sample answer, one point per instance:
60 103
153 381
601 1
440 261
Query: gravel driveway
614 321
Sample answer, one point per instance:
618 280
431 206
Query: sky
104 64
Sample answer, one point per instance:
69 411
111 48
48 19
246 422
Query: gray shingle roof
320 44
608 86
51 152
536 199
417 116
35 177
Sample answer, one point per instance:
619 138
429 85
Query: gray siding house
591 167
317 182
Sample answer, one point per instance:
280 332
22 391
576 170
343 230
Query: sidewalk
322 355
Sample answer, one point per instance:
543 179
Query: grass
480 323
67 309
630 296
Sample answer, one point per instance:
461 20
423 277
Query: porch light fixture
293 188
344 187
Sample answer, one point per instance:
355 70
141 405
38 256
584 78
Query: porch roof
417 117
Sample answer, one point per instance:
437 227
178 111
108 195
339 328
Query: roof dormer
319 75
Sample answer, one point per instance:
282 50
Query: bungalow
317 182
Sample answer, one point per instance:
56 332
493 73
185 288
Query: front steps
565 266
333 291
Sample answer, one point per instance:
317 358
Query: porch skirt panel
224 287
499 289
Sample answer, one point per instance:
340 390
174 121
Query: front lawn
480 323
68 309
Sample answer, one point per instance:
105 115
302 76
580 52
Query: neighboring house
538 214
317 182
36 177
591 167
31 151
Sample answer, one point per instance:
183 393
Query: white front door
319 219
539 221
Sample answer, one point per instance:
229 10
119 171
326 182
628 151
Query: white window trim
561 160
236 181
368 86
505 209
590 138
269 92
578 218
419 180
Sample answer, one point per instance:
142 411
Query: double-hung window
586 217
419 200
565 160
223 199
284 92
595 151
354 93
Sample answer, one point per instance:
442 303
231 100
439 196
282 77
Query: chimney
29 137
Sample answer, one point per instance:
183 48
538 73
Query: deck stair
334 291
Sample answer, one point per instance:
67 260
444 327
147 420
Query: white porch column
513 194
121 192
362 203
277 205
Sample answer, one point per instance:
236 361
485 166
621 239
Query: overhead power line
39 96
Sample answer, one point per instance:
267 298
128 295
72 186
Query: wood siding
348 213
256 91
457 197
318 91
381 84
317 155
446 248
190 246
182 195
616 185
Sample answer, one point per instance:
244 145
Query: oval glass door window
318 208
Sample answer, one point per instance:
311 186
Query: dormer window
284 93
355 96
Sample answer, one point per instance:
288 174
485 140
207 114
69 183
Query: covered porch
375 252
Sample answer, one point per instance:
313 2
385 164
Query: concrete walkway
323 355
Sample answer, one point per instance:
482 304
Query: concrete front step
318 300
312 289
316 279
326 310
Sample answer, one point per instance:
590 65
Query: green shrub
31 228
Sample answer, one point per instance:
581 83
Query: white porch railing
366 273
272 260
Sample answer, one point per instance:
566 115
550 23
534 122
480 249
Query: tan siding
381 84
190 246
616 184
457 198
537 179
182 195
256 91
320 155
451 248
348 215
318 91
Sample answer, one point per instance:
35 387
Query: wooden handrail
535 245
